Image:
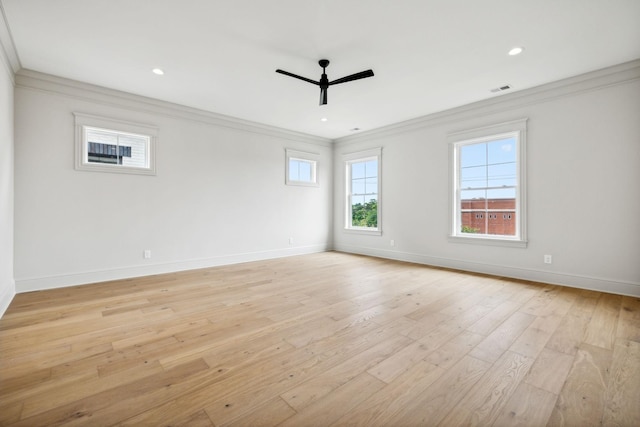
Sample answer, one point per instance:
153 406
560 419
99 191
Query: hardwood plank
10 413
496 343
346 339
393 398
628 327
431 406
601 330
581 400
535 337
486 324
112 404
406 357
570 333
622 395
527 406
327 410
271 413
319 386
241 392
550 371
453 350
484 402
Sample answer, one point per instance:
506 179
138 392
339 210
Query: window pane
101 146
502 204
502 194
503 174
473 177
501 151
358 186
301 171
371 185
139 157
371 168
473 194
357 170
305 171
102 137
294 173
364 214
473 155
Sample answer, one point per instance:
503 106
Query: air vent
501 88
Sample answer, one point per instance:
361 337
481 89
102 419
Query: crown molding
594 80
34 80
8 53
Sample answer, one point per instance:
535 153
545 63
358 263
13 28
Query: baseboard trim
554 278
87 277
6 297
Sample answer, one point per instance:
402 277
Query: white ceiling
221 55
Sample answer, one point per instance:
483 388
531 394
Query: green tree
365 215
469 229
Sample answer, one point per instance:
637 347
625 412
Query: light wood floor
323 339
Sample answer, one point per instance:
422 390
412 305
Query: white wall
219 195
7 284
583 165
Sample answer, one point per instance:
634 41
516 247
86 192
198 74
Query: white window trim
83 121
488 133
347 159
312 158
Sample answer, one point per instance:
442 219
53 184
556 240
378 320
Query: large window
108 145
488 184
362 172
301 168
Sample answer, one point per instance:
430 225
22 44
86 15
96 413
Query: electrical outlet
147 254
392 242
548 259
291 240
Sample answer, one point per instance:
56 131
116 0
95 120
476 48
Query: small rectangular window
301 168
362 171
108 145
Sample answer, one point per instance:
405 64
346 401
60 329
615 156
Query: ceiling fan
324 82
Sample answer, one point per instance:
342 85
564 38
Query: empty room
319 213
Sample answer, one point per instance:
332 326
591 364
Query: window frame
515 128
84 122
348 160
311 158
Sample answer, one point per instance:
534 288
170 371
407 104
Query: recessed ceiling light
516 51
158 71
324 119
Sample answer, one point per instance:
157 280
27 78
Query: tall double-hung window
488 184
362 172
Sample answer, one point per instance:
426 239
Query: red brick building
489 216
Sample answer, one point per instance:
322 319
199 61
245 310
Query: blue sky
488 170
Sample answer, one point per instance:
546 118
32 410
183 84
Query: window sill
303 183
114 169
489 241
365 231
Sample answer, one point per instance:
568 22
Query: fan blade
356 76
323 96
286 73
